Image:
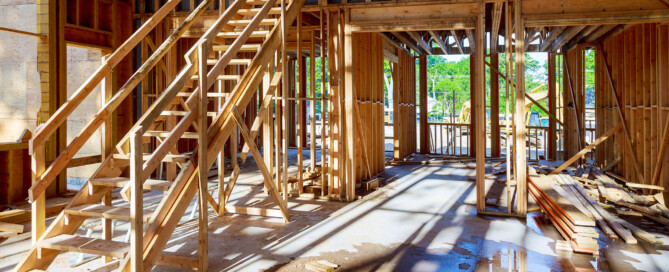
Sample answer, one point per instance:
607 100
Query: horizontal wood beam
88 38
411 25
597 18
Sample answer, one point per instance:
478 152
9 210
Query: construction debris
578 202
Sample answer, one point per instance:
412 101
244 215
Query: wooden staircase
205 63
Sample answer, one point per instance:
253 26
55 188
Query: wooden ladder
254 27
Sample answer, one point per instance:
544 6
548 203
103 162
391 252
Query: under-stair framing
205 63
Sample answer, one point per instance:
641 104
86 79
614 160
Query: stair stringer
172 208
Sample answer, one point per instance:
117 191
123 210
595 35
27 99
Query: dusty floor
424 219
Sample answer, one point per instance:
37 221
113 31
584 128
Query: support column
478 108
552 106
521 161
51 65
349 97
473 114
395 68
203 248
424 128
494 108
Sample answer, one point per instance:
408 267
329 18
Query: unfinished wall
404 105
20 97
368 84
638 59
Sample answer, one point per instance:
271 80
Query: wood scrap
629 213
581 196
661 208
624 233
570 221
587 149
10 227
660 197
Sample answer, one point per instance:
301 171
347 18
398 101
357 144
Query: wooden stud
300 106
424 127
629 142
137 203
495 141
203 168
312 104
479 109
519 132
350 110
324 165
552 107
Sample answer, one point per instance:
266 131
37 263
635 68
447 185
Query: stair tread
246 22
209 95
220 77
181 158
102 211
232 62
253 11
118 182
182 113
235 34
66 242
158 133
244 48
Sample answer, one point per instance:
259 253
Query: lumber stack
560 207
586 197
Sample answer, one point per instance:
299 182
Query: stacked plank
562 208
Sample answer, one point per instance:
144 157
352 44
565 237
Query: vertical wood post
300 105
325 168
52 67
495 136
107 88
349 97
473 114
395 68
552 108
203 170
284 92
479 108
312 103
37 216
136 202
267 132
424 127
521 161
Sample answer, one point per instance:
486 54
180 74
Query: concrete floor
424 219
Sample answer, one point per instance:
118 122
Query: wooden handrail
41 183
184 76
192 102
218 131
71 104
